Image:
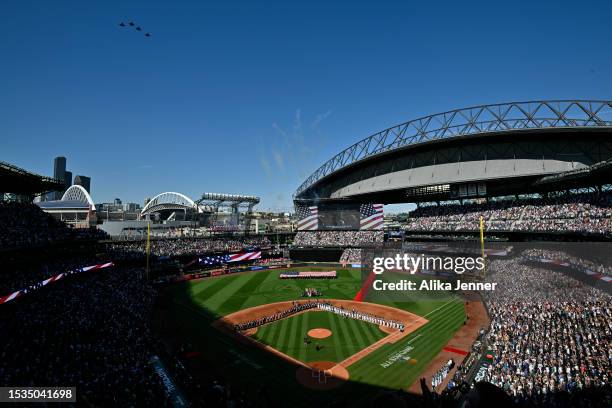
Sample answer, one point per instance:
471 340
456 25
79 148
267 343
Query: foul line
444 305
360 296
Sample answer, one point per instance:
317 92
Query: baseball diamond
351 348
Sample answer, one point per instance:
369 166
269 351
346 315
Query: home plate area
322 375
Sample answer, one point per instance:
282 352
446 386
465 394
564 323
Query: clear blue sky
250 97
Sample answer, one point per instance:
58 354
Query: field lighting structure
235 202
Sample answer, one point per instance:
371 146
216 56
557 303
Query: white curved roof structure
502 118
168 200
77 193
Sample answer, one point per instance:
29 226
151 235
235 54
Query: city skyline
61 172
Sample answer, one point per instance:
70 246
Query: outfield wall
316 254
251 268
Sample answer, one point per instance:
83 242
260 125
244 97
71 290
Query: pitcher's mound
319 333
322 375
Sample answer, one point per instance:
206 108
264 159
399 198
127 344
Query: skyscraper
59 172
83 181
67 179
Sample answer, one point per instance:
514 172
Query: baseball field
201 314
334 338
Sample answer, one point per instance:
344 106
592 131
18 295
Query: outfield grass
348 336
230 293
426 342
196 304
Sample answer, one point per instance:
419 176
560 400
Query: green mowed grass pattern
348 336
228 294
426 342
221 296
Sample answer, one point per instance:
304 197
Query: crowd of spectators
338 238
550 334
91 331
575 262
351 255
25 275
582 213
187 246
25 225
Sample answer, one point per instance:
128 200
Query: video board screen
339 218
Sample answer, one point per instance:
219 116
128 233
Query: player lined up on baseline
354 314
294 309
299 307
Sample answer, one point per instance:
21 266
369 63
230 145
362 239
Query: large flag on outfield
371 216
308 218
220 259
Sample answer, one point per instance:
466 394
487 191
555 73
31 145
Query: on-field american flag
308 218
371 216
221 259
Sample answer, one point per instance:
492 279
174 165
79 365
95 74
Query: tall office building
83 181
59 172
67 179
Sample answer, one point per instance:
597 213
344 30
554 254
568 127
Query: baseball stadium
189 303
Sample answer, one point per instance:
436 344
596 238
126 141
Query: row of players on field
297 307
354 314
